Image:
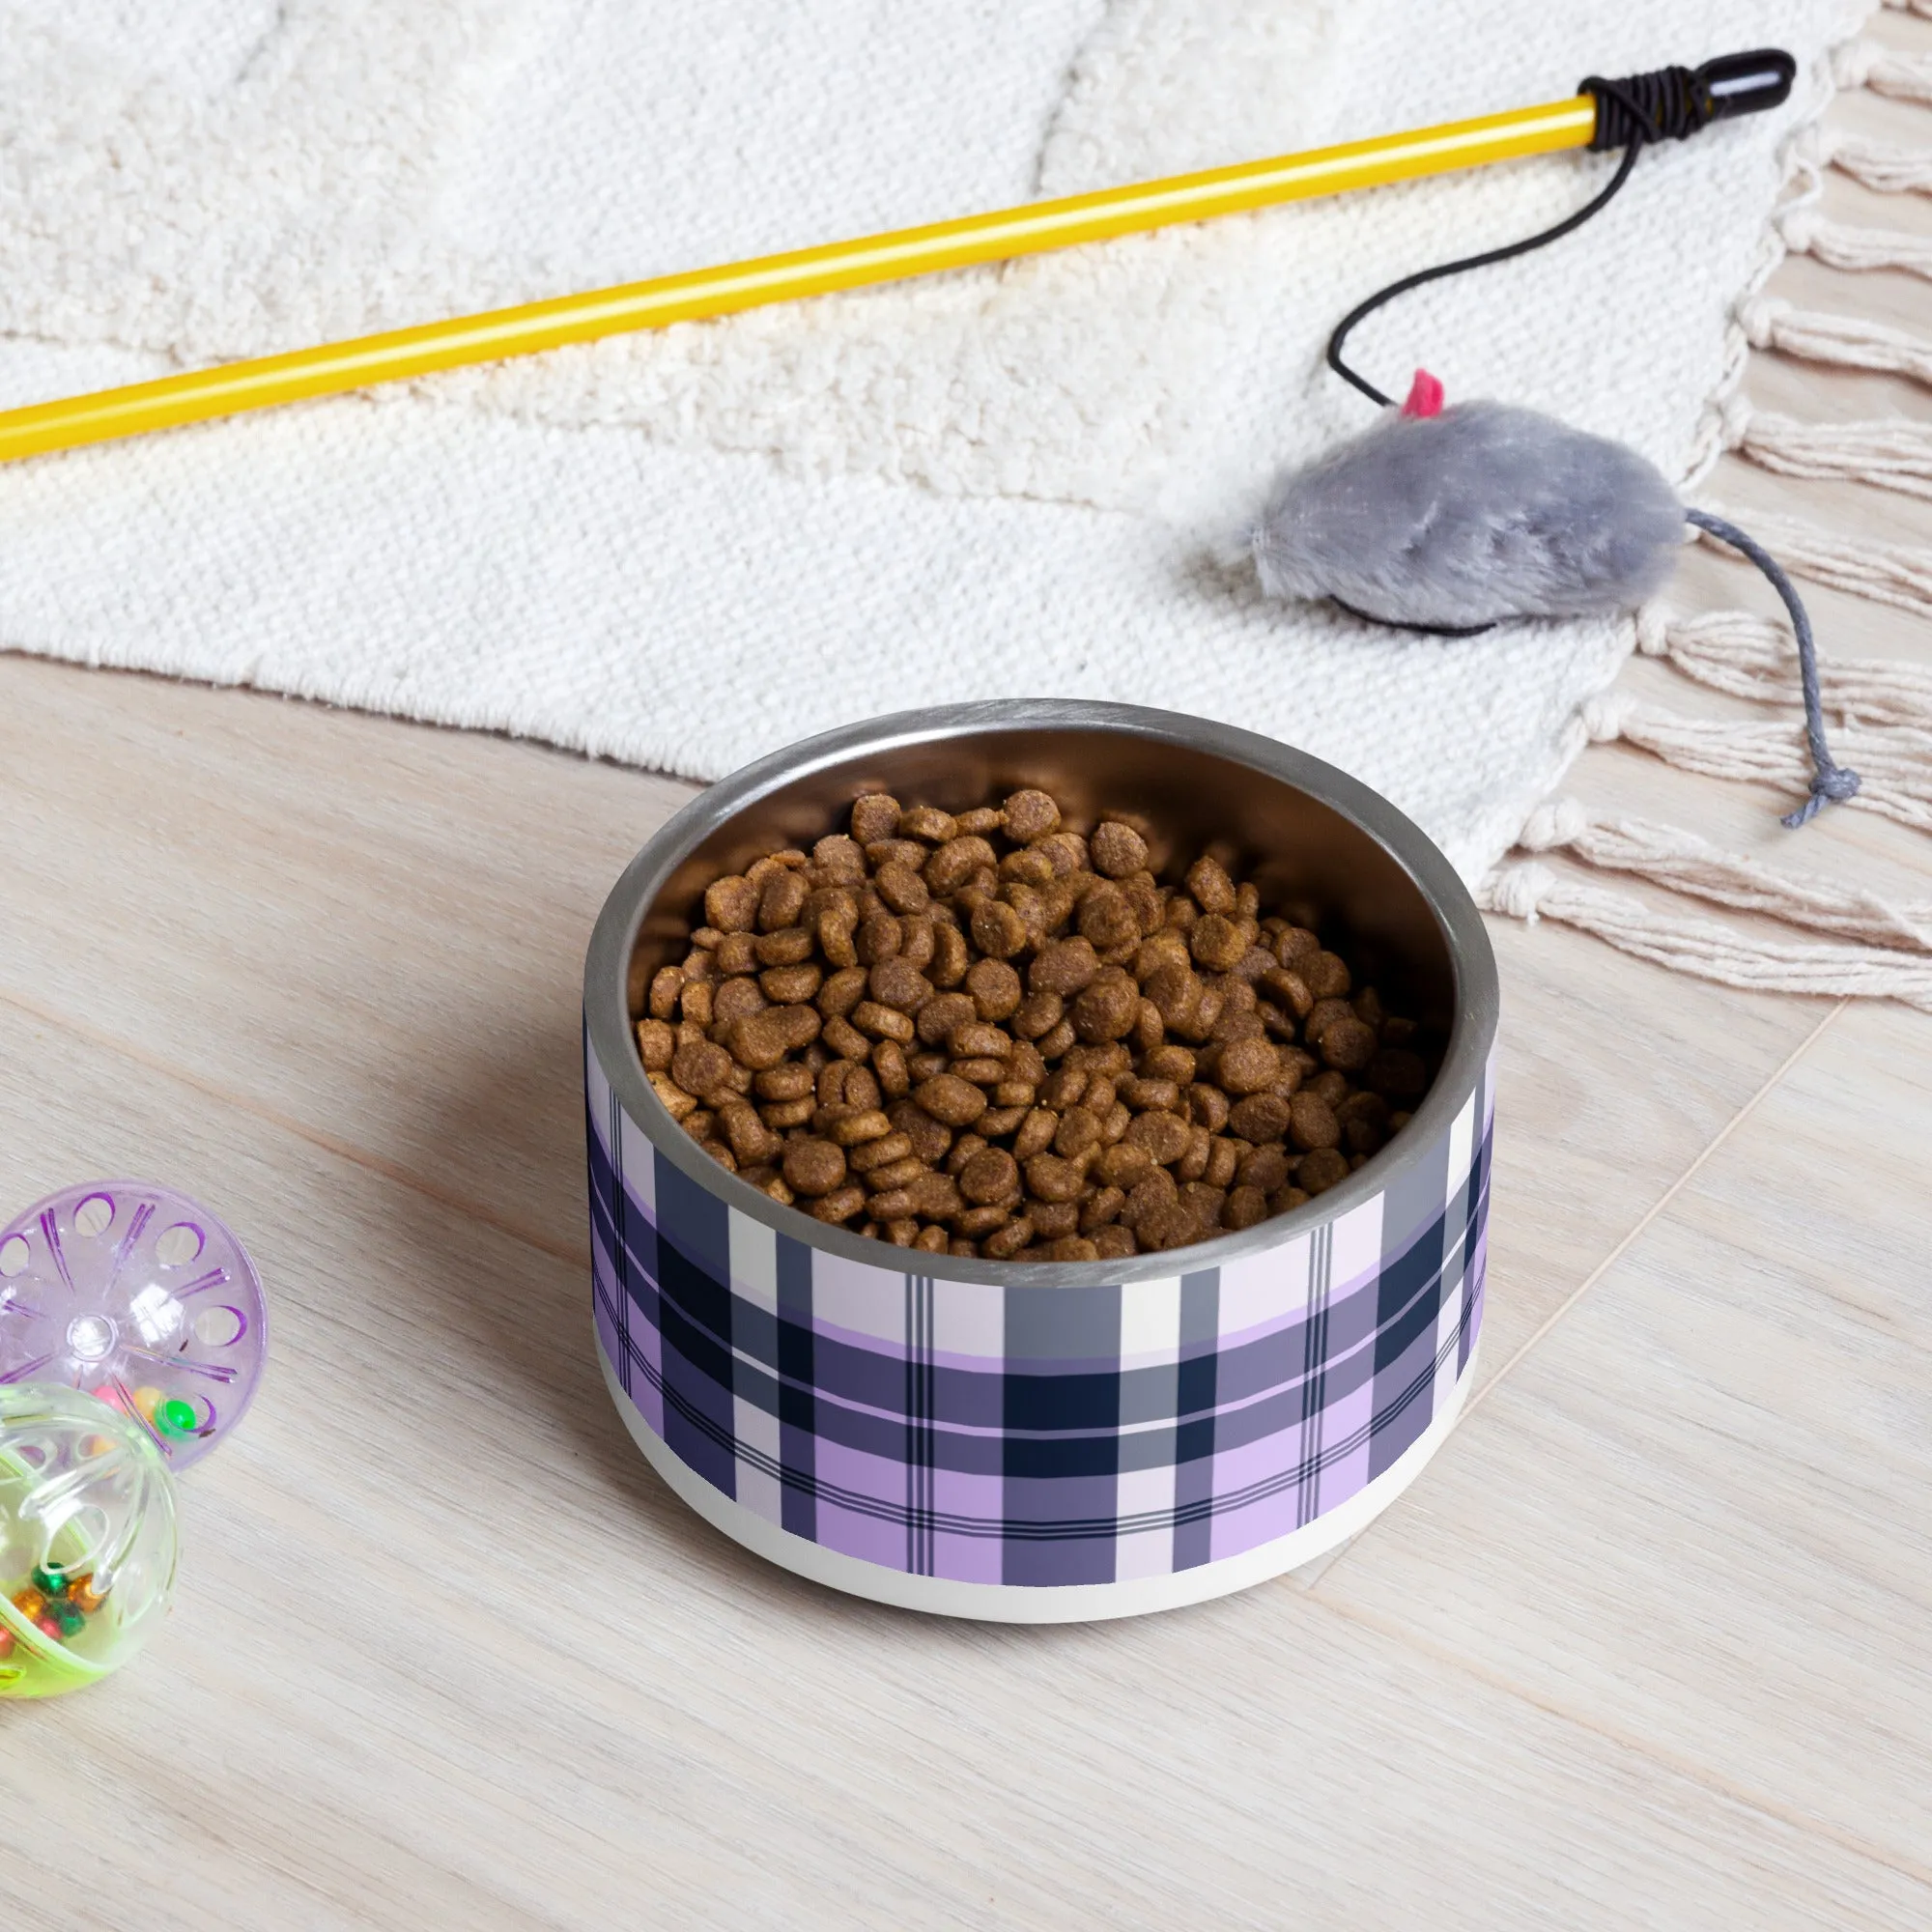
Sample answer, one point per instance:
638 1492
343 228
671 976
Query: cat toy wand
1673 102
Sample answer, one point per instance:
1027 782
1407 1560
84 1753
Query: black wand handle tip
1672 103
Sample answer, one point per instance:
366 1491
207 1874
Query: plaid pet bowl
1040 1442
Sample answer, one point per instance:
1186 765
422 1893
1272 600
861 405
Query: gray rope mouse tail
1830 782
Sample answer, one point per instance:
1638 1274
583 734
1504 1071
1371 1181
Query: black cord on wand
1670 104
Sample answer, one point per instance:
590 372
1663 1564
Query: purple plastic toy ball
135 1294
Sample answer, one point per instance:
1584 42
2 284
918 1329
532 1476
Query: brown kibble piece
1322 1016
897 984
874 816
998 929
954 863
814 1167
929 823
1261 1117
1210 886
731 904
1163 1137
1107 1009
1029 815
941 1016
1107 918
882 1022
1216 942
840 857
1037 1015
1312 1123
702 1067
1117 850
1321 1168
1171 1226
902 889
1243 1208
1348 1046
1123 1164
1064 967
841 1205
1005 1243
871 1155
1248 1067
991 1175
994 988
1049 1178
788 985
853 1128
781 901
1327 976
956 1102
655 1043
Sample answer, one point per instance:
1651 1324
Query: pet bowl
1046 1441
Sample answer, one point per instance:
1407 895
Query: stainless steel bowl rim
607 968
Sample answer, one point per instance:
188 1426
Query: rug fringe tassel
1529 890
1845 341
1687 864
1839 246
1877 164
1895 573
1747 656
1896 765
1883 70
1894 454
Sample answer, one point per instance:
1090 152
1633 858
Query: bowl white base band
1029 1604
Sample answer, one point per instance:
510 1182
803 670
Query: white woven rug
686 549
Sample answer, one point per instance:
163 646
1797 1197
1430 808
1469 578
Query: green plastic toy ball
87 1539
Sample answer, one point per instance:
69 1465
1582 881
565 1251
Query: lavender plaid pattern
1001 1434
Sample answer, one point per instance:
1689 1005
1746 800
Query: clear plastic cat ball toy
132 1336
87 1539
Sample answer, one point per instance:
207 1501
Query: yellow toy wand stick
1738 84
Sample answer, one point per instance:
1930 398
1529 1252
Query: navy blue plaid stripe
911 1421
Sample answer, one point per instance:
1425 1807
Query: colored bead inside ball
87 1538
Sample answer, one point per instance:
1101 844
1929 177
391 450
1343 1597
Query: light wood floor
1650 1644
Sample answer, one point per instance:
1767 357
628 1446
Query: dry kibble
731 904
1260 1117
1216 942
1064 966
655 1043
1312 1123
1348 1046
1330 1086
814 1167
788 985
874 816
998 929
988 1034
1243 1208
1028 816
1107 1009
1248 1067
950 1100
899 983
1118 850
1162 1137
1210 886
1326 974
1321 1168
902 889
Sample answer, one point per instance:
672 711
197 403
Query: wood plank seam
358 1156
1669 1760
1657 1207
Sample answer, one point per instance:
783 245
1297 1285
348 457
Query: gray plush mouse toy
1454 520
